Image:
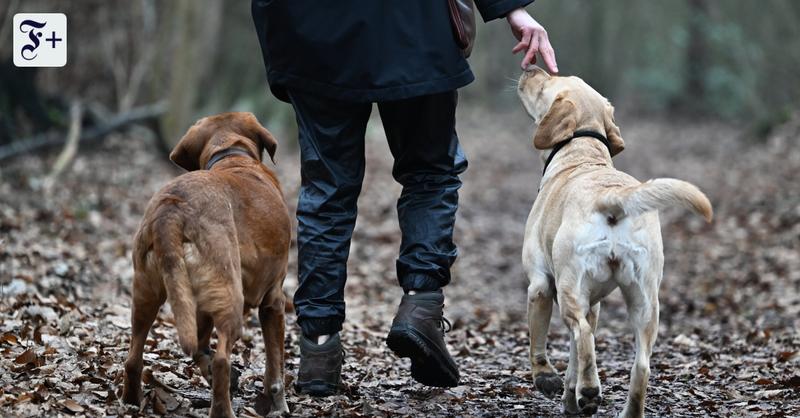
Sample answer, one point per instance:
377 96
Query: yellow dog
592 229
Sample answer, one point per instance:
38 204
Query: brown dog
214 242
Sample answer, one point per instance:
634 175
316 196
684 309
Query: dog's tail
168 241
654 195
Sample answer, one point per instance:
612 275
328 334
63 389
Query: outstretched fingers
524 41
530 55
548 54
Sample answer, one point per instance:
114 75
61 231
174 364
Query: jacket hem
279 82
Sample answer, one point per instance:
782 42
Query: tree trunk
196 26
696 56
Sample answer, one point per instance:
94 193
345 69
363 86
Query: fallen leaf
27 357
769 394
25 397
791 383
684 341
9 338
785 356
72 406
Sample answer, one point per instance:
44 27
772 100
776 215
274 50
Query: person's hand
532 39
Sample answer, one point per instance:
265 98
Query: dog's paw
277 397
268 404
132 395
234 375
632 410
203 362
221 411
279 409
549 384
589 400
570 404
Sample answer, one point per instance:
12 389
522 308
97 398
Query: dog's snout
523 79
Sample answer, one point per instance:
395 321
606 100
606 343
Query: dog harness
577 134
219 156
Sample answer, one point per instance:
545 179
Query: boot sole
428 365
316 388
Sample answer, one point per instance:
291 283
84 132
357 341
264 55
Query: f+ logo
31 30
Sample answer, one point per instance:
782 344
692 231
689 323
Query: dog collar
577 134
221 155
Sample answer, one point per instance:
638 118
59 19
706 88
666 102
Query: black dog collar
577 134
221 155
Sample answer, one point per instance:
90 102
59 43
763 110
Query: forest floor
730 299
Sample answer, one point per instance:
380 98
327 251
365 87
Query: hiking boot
320 371
418 333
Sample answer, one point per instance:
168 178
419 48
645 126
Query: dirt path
730 299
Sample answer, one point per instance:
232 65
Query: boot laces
442 322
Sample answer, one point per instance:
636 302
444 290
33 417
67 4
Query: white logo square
40 39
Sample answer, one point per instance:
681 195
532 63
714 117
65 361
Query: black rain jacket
364 50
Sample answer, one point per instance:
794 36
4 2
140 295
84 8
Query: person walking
331 60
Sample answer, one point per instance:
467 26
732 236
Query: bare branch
140 114
70 147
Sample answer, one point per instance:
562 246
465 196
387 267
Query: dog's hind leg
594 316
571 378
271 315
226 313
643 313
228 331
144 309
582 370
205 325
540 309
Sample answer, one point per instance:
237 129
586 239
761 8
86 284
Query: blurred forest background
706 91
733 60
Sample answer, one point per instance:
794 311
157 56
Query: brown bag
462 18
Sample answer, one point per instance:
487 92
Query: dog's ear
612 131
558 124
186 153
267 141
247 125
